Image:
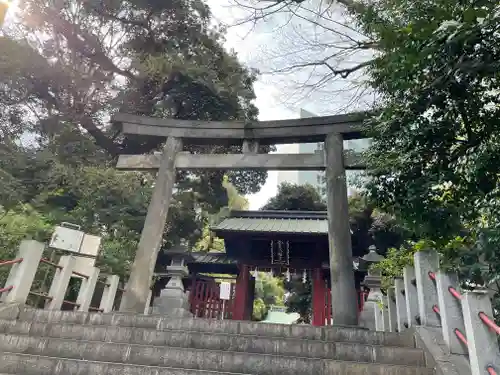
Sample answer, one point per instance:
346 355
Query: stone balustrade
22 274
426 296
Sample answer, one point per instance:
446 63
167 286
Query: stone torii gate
330 129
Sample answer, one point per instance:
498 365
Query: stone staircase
41 342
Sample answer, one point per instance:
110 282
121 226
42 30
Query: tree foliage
76 62
296 197
235 201
299 299
269 291
433 161
65 68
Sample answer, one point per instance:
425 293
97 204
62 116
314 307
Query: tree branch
344 73
84 43
101 139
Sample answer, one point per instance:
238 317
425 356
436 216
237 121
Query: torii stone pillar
137 289
344 298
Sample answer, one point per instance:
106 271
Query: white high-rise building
353 176
291 177
315 178
302 177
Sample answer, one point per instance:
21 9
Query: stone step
345 351
27 364
196 359
333 333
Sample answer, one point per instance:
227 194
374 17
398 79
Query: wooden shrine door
205 301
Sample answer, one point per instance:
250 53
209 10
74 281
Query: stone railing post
391 310
109 293
379 316
399 291
450 309
87 290
385 317
22 274
482 341
375 297
60 283
147 309
410 286
425 263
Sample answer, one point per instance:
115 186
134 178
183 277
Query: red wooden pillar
241 294
318 298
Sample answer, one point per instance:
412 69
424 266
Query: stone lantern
373 279
173 299
371 258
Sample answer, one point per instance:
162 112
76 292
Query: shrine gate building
286 243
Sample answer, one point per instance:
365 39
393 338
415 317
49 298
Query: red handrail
104 283
455 293
490 323
436 309
41 295
46 261
8 262
71 303
432 276
80 274
461 336
6 289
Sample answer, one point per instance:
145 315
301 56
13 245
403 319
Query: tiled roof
300 222
219 258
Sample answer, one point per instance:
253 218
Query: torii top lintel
312 129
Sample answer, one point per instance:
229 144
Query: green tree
435 70
18 224
161 60
433 162
435 136
71 65
299 299
164 60
296 197
269 291
235 201
260 310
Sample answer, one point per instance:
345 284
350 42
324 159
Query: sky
253 44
